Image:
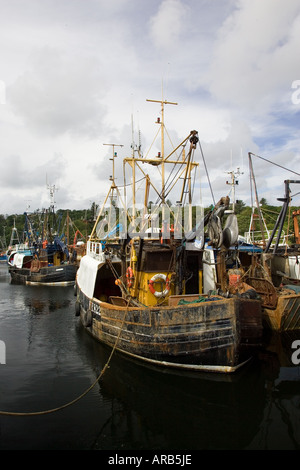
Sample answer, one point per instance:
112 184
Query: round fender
129 277
77 308
86 318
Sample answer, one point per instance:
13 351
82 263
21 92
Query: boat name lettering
296 354
168 459
95 308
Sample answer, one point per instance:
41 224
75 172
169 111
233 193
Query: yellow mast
112 159
111 190
162 125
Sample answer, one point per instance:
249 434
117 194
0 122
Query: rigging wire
212 194
276 164
130 184
169 184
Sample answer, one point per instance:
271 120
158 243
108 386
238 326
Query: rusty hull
280 307
208 335
286 315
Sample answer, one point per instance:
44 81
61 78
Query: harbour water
49 362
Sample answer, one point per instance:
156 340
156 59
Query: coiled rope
53 410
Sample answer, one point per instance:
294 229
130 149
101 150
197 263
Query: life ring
129 276
156 278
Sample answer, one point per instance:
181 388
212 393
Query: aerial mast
112 178
233 184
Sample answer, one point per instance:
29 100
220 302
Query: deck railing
94 249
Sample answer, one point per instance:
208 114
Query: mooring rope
53 410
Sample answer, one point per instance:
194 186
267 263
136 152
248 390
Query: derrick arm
296 226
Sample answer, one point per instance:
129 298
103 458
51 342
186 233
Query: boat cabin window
156 261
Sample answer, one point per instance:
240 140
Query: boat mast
52 190
112 178
233 184
13 237
162 126
257 202
114 155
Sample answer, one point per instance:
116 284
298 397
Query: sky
76 75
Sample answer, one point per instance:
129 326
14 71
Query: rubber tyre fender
77 308
86 318
89 318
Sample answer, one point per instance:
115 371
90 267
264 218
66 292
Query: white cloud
169 23
58 95
254 59
74 73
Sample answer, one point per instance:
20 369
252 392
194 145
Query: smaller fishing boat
48 266
44 258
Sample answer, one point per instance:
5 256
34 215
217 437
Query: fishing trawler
44 258
147 284
271 266
281 298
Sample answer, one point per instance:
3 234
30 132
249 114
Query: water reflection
39 303
280 428
154 409
258 408
51 360
4 274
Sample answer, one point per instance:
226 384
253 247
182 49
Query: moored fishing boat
44 258
145 284
272 269
280 304
48 273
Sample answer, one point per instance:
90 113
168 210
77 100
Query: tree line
12 227
82 221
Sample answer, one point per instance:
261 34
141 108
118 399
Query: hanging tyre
86 318
77 308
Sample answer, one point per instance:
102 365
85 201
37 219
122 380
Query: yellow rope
36 413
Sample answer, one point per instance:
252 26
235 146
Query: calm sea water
50 361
